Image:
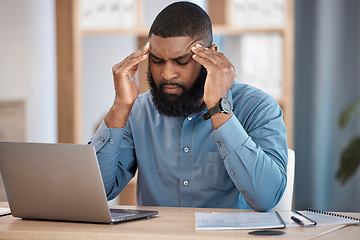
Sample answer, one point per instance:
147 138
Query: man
197 138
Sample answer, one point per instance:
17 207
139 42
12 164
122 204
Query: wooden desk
171 223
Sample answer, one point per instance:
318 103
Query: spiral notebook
329 218
320 217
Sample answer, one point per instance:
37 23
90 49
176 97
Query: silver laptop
58 182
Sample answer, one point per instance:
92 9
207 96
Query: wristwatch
224 106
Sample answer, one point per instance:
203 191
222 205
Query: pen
295 219
313 223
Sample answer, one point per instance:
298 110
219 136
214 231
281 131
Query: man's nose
169 71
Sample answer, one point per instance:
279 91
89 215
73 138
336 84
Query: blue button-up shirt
183 161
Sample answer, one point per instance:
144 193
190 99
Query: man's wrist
219 119
118 116
223 106
124 105
212 102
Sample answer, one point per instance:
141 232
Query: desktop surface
171 223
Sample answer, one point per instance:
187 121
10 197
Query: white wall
28 63
153 7
99 55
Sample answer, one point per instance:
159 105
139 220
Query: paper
320 219
248 220
286 216
324 219
258 13
4 211
107 14
261 62
263 220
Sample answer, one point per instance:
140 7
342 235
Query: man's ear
214 47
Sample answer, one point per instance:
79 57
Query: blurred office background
326 76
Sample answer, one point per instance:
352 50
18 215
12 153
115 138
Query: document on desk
4 211
238 220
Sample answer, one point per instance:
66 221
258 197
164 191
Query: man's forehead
171 47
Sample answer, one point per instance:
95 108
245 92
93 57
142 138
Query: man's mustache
172 84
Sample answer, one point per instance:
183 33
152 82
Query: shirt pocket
216 175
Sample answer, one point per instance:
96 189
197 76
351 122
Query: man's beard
174 105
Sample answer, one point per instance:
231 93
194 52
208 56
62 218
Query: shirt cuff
230 136
107 139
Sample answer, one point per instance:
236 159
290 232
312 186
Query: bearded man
197 138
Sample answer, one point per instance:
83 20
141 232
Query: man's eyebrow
174 59
154 56
198 39
180 57
186 54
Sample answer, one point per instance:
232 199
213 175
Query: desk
171 223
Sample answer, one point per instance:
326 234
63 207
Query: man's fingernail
198 45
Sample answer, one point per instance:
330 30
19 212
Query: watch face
226 105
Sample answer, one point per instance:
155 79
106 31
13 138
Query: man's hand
220 78
126 88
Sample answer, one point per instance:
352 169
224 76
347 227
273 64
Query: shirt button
186 183
218 144
186 149
111 141
232 173
189 118
102 139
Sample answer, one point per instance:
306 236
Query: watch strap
205 116
212 111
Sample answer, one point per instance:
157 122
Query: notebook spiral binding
332 214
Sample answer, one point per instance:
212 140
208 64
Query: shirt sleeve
115 156
256 158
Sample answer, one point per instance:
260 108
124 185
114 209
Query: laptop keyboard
120 215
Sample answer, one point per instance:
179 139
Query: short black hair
182 19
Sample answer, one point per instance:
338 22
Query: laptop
59 182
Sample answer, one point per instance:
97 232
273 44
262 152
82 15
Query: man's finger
132 64
144 50
203 61
207 53
139 53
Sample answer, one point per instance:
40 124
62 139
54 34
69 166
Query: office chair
286 202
